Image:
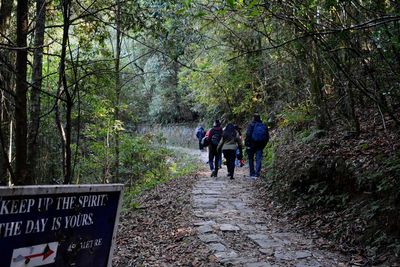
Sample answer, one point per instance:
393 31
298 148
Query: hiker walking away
229 143
200 133
257 137
215 135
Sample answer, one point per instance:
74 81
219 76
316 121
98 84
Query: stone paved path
240 235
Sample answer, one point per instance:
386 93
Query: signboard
58 225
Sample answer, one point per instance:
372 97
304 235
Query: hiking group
229 142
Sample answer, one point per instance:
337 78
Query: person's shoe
252 177
231 177
212 174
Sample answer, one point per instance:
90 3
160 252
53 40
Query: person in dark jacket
200 133
214 137
256 139
229 143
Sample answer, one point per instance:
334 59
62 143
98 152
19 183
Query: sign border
61 189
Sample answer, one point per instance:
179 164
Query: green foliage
305 134
320 194
226 87
231 3
270 157
180 164
295 116
364 146
383 181
139 158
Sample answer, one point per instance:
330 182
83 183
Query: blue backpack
200 133
260 133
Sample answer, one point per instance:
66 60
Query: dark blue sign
58 225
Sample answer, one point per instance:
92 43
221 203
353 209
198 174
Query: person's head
256 117
217 123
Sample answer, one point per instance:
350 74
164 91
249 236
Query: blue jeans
258 153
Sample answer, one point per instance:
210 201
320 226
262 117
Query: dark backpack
205 141
260 133
200 133
216 136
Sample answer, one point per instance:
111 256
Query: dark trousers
230 156
258 153
213 157
200 144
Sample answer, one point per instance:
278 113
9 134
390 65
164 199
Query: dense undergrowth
175 164
342 186
146 160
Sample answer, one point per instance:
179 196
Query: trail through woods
204 221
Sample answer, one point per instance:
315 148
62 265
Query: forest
79 79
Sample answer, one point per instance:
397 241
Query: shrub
295 116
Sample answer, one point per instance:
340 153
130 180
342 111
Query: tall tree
21 88
36 87
315 76
6 72
117 59
63 91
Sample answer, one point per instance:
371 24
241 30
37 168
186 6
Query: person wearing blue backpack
257 137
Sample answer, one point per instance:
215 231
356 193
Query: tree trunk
5 78
350 108
68 133
5 13
349 99
117 88
314 73
21 87
65 133
36 87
